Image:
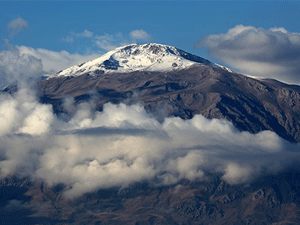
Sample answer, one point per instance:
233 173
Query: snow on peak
137 57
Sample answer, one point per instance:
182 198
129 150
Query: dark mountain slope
250 104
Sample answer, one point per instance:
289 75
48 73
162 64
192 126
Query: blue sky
178 23
60 25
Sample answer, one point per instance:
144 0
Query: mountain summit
138 57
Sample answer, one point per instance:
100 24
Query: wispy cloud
107 42
68 39
73 35
272 53
140 35
16 26
85 34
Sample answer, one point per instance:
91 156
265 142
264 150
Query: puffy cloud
235 173
18 68
22 116
22 113
140 35
16 26
272 53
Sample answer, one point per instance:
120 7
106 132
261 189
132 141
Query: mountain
170 81
135 57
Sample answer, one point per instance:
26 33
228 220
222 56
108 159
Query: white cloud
22 64
272 53
16 26
140 35
235 173
54 61
23 114
17 68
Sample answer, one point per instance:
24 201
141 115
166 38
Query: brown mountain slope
250 104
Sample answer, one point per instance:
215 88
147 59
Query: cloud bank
88 150
272 53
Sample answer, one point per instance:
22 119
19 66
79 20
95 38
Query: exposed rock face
250 104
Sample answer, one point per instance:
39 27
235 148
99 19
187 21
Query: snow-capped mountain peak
138 57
